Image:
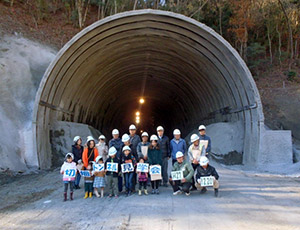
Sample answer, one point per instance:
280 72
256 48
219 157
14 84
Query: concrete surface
182 68
246 202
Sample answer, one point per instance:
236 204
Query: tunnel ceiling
186 72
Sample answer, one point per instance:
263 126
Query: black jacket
164 145
77 152
210 171
114 160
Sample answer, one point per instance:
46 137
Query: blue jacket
117 143
174 147
206 138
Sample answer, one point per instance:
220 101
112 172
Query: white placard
127 167
69 173
155 172
144 150
177 175
203 143
112 167
98 167
207 181
85 173
142 167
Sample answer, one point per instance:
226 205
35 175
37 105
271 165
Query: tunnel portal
185 71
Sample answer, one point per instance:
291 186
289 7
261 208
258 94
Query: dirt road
245 202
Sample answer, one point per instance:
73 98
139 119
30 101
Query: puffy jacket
117 143
77 152
164 145
206 138
128 159
209 171
102 150
186 167
154 156
88 155
175 147
134 141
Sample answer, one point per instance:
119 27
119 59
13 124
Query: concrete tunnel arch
185 70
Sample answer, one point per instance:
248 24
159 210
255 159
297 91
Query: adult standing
177 144
164 144
77 150
102 148
90 153
194 154
117 143
204 137
143 144
134 141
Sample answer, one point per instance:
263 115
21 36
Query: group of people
193 162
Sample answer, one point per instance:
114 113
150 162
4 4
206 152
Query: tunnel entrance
186 72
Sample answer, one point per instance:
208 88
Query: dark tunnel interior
186 73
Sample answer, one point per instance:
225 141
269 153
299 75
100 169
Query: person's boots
102 193
216 192
140 192
96 193
71 195
203 190
86 195
91 195
65 196
146 192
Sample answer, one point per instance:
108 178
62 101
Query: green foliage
256 58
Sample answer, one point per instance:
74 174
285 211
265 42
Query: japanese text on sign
142 167
112 167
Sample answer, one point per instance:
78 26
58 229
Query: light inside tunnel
187 73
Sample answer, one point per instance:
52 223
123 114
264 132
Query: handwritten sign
207 181
112 167
177 175
98 167
69 174
142 167
127 167
155 172
144 151
196 154
85 173
204 143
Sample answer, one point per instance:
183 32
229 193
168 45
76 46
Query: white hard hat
126 148
204 160
101 137
98 158
194 138
159 128
201 127
145 134
132 127
115 132
90 138
125 137
176 132
112 151
179 154
70 154
153 138
76 139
